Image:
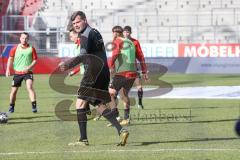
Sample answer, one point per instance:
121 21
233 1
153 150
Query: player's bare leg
32 94
113 104
126 103
13 96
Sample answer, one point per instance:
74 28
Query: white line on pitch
134 150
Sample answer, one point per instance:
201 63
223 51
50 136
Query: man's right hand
112 91
62 66
70 74
8 73
145 77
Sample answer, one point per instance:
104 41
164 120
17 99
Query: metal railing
157 29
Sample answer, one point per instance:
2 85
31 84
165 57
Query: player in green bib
22 58
142 74
73 35
122 65
125 62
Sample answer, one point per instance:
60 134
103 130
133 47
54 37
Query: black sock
115 112
140 95
34 104
82 122
110 116
126 113
12 105
88 111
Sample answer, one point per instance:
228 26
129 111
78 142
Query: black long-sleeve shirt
92 55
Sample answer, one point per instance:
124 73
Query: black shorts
18 78
95 92
122 82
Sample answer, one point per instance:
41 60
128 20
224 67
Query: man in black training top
94 85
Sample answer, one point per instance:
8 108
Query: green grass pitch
167 129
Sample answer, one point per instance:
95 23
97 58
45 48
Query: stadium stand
3 10
152 21
30 8
207 5
181 20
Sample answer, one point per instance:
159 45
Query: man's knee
80 104
14 91
30 89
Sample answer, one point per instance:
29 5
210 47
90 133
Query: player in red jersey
127 31
23 58
123 64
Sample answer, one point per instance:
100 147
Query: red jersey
117 46
22 61
139 55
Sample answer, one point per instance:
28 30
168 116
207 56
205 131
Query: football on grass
3 117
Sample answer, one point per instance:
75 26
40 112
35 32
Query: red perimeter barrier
45 65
